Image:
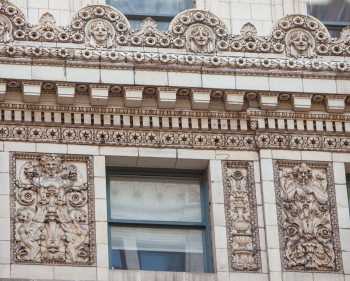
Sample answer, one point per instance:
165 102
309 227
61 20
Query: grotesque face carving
200 38
5 29
100 33
51 165
300 42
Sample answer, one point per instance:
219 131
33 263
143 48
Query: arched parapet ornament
149 35
301 36
198 31
12 22
47 30
99 26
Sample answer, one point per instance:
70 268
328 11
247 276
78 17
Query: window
158 222
335 14
160 10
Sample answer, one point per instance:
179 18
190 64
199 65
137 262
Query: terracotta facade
261 109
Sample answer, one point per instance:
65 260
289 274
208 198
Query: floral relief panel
241 216
307 216
52 215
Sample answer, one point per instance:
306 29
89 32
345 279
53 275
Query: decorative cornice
234 140
129 59
102 33
114 98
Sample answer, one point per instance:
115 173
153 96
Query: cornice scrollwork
193 30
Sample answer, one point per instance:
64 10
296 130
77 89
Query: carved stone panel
307 216
241 216
52 215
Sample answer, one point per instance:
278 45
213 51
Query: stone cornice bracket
65 93
166 97
268 101
99 95
31 92
336 104
302 102
234 101
133 96
200 99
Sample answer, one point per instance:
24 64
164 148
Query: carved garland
190 62
52 209
307 216
241 216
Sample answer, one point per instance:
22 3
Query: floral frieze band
241 216
307 216
52 209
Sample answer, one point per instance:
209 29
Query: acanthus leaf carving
241 217
52 209
307 216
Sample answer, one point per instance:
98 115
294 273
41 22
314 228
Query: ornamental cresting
197 31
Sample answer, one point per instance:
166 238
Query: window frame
336 25
204 225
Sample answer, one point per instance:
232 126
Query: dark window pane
330 10
151 7
157 249
162 261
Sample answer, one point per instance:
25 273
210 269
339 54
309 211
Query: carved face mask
51 167
300 41
201 36
100 32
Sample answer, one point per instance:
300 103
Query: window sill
126 275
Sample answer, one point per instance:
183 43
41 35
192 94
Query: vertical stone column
4 215
270 214
101 218
339 170
218 224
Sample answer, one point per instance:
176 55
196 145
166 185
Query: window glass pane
157 249
151 7
330 10
155 199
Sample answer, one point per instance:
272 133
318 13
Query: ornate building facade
214 150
